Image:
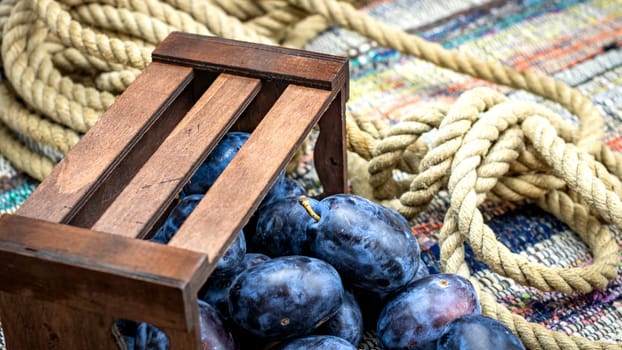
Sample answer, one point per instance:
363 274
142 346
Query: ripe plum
370 245
477 332
215 163
285 297
282 228
414 318
347 322
316 342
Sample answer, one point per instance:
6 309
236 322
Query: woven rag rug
575 41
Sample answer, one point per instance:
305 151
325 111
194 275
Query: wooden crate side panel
146 197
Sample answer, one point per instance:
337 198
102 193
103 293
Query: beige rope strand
73 34
22 157
18 118
36 92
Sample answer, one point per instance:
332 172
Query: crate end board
294 66
99 272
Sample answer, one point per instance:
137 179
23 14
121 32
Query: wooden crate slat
151 191
99 272
237 192
293 66
71 182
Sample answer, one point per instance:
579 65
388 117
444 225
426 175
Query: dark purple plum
214 335
285 297
142 336
231 262
176 218
422 270
316 342
477 332
370 245
215 163
228 263
283 188
415 317
216 290
149 337
347 322
282 228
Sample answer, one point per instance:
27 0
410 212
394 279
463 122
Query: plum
145 336
215 163
422 270
285 297
214 335
414 318
477 332
281 228
231 261
216 289
228 263
176 218
347 322
283 188
316 342
370 245
142 336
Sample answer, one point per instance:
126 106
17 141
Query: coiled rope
65 62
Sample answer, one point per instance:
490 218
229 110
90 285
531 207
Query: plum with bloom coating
316 342
285 297
371 246
477 332
415 318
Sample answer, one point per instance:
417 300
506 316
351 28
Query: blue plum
215 163
477 332
316 342
347 322
285 297
281 228
176 218
283 188
214 334
142 336
145 336
370 245
216 289
228 263
231 261
415 317
422 270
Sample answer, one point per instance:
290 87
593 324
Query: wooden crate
72 260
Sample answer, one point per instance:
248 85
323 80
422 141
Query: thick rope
66 60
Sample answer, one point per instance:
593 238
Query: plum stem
305 203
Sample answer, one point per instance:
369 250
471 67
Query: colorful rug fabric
576 41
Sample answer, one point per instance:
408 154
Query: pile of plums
313 274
